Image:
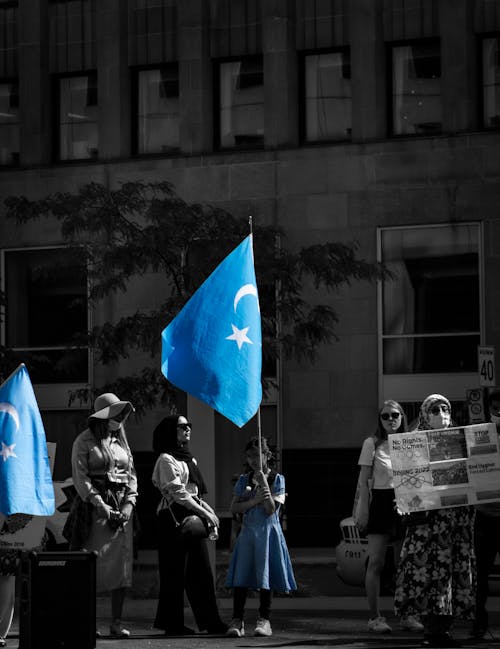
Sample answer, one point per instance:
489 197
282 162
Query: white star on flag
240 336
7 451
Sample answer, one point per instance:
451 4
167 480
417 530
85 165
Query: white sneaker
263 627
411 623
236 628
378 625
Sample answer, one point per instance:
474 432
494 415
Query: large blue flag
25 476
212 349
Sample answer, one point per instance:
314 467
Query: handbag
191 526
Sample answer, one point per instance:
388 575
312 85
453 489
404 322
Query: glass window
416 89
431 309
241 104
9 123
46 315
158 110
328 96
491 82
78 137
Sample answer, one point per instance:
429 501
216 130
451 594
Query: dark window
416 89
491 82
9 123
241 104
78 111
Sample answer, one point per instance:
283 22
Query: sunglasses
185 426
442 407
390 415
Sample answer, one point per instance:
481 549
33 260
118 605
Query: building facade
374 121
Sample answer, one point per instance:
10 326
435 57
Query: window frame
56 93
135 71
5 81
480 77
49 395
390 45
414 387
302 107
217 63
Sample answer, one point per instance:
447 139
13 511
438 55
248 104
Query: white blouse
171 477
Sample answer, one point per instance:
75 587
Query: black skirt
383 517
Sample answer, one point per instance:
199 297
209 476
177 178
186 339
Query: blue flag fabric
25 476
212 349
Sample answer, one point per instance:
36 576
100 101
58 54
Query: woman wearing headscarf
184 564
436 573
106 483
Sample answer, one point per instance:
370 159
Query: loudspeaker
58 600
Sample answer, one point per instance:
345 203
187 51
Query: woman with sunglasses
436 575
377 515
183 562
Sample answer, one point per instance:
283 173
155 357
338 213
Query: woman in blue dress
260 557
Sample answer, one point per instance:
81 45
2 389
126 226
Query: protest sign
449 467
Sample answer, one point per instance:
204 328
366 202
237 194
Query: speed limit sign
486 364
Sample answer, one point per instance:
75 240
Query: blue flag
212 349
25 476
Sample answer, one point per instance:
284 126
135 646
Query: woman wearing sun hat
105 480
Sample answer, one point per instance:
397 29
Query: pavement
307 619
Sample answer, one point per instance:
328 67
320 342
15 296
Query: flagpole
259 424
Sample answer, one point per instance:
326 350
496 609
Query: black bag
191 526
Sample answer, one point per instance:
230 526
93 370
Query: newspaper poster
23 531
449 467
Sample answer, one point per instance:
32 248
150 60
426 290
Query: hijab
425 408
165 441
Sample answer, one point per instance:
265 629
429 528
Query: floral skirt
437 568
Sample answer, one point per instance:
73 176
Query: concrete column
458 65
368 70
113 79
34 83
281 126
195 77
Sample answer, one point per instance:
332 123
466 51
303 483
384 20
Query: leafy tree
146 227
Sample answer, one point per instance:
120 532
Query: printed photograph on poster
449 473
482 440
447 444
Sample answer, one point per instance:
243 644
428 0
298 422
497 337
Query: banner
434 469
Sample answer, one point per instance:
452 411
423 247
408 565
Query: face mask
495 419
113 425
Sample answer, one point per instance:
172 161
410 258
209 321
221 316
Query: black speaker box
57 600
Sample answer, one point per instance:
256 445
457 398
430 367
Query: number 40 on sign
486 363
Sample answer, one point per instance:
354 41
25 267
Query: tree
146 227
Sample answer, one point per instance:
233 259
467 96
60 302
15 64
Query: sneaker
410 623
118 630
236 628
378 625
263 627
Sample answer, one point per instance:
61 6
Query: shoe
263 627
441 640
2 642
410 623
378 625
182 630
236 629
118 630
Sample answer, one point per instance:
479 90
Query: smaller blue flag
25 476
212 349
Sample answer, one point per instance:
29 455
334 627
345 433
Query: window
491 82
9 123
241 104
416 89
78 137
157 110
327 87
46 315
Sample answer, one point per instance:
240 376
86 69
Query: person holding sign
436 572
486 537
377 515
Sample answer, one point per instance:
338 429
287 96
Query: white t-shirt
381 462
